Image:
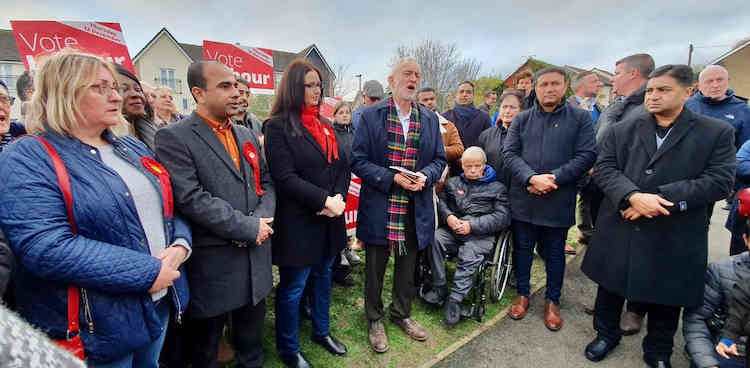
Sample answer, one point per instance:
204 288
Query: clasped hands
541 184
460 227
334 206
171 258
646 205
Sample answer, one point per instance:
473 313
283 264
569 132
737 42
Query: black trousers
404 288
247 337
662 323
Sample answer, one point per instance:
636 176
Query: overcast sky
364 34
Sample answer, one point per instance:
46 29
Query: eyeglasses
124 88
312 85
7 100
104 88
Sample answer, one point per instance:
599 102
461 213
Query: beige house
164 62
11 67
737 61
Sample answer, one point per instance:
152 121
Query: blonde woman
121 246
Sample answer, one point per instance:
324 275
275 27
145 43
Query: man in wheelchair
472 209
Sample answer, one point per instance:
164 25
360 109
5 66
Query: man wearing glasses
9 130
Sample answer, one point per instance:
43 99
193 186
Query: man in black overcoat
658 170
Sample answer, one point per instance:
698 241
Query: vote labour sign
36 39
249 63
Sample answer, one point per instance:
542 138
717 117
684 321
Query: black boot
296 361
452 312
331 344
598 349
436 296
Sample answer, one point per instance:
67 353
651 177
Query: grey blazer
227 269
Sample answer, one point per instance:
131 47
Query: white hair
400 62
475 151
714 67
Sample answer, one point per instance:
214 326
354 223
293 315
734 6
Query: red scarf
322 133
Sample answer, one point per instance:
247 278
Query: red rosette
251 155
162 174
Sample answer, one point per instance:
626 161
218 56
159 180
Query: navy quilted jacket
109 258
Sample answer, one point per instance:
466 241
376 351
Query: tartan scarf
400 153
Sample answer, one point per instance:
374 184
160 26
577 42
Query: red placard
250 63
327 105
36 39
352 204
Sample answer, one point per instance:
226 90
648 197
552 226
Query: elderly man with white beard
396 211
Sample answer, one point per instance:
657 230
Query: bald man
717 100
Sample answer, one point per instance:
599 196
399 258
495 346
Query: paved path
527 343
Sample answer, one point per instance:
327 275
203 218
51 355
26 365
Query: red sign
252 64
36 39
326 108
352 204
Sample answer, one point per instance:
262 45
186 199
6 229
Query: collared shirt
224 133
589 104
405 120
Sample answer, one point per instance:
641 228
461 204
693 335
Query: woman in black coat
491 140
311 175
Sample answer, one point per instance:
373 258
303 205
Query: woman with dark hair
311 175
510 103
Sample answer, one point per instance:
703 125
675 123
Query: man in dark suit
548 149
396 214
659 170
221 184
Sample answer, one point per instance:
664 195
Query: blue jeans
147 356
288 295
551 244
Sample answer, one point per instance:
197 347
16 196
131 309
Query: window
6 74
167 78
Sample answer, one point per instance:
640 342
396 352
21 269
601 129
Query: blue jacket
370 162
109 257
734 110
561 143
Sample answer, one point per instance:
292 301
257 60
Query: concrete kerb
490 322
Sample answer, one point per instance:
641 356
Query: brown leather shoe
519 307
378 340
552 318
631 323
412 328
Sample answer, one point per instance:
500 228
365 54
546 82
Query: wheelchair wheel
503 264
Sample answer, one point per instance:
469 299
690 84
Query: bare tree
343 85
443 66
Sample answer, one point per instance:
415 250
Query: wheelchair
499 267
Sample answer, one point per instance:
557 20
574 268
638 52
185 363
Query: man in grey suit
222 186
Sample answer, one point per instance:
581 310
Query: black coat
491 141
660 260
304 179
345 136
469 130
560 142
223 208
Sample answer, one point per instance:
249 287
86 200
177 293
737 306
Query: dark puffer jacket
701 340
483 202
345 136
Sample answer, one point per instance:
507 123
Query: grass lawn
349 325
